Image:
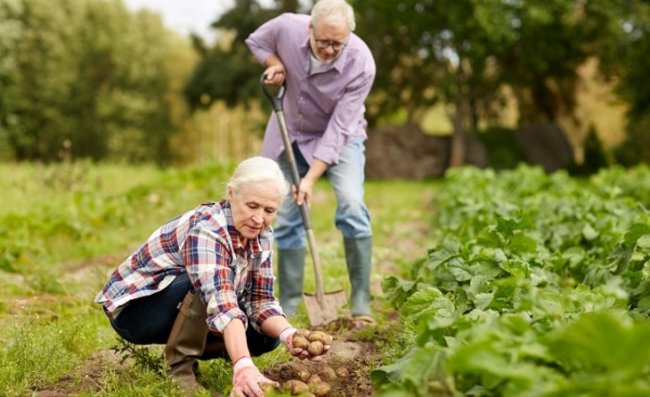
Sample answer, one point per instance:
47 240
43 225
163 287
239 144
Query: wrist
241 363
286 333
310 179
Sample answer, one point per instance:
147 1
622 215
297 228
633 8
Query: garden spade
322 307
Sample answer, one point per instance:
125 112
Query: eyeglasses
323 44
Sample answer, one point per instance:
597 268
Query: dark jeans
149 320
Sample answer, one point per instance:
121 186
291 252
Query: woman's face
254 208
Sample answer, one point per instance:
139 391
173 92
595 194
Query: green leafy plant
531 283
143 357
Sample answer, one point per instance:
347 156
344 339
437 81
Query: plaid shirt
204 243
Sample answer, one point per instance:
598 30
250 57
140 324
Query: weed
142 356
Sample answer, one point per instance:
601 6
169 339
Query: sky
185 16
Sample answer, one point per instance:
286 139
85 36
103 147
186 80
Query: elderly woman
202 284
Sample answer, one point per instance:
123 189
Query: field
64 227
485 284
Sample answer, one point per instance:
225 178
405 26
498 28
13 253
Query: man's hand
274 75
303 194
247 380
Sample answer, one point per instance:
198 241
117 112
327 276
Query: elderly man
328 72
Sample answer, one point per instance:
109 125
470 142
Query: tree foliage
471 48
630 63
227 70
84 78
11 30
461 53
88 78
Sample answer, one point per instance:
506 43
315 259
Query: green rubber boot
291 272
358 256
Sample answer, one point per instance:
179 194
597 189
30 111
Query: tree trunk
458 139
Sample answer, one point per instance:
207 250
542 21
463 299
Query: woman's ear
229 194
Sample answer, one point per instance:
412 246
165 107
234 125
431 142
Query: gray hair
256 170
333 12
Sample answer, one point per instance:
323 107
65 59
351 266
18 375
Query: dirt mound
405 152
345 369
89 378
546 145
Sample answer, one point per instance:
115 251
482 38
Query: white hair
256 170
333 12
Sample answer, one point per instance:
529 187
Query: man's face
327 41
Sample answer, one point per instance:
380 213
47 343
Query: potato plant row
534 285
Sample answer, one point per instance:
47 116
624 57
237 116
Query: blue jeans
149 320
351 218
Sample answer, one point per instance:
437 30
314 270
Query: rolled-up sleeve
262 42
206 256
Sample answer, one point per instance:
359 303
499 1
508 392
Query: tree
462 53
85 78
627 59
11 28
227 71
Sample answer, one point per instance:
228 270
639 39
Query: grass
64 227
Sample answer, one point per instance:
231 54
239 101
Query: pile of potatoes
315 384
312 341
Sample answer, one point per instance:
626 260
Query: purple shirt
323 108
204 243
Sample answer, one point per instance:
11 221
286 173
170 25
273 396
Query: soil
89 377
345 368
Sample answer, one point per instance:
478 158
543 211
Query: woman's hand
247 380
286 337
301 352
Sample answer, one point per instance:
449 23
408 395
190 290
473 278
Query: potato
315 348
302 332
314 378
315 335
320 389
327 373
320 336
342 372
296 387
300 342
302 374
267 388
